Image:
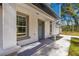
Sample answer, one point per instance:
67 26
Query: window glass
22 25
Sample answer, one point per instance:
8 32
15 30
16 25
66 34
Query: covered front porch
42 47
47 47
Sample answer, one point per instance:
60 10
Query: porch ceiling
45 9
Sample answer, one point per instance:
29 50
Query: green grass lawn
74 47
70 33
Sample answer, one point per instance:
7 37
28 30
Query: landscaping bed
74 47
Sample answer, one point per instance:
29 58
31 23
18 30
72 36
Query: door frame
43 29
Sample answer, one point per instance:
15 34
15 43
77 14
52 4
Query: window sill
23 38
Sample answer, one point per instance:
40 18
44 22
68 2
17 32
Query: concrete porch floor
57 48
49 47
33 50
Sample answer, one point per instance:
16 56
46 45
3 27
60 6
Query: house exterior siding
8 37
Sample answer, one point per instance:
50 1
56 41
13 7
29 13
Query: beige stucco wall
33 22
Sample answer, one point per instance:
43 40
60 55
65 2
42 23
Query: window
22 25
50 27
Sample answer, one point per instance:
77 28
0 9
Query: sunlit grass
74 47
70 33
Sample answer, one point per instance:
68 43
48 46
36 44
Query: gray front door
41 30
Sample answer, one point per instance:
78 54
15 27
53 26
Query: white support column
54 30
9 41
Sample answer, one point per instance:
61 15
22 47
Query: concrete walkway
50 48
58 48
